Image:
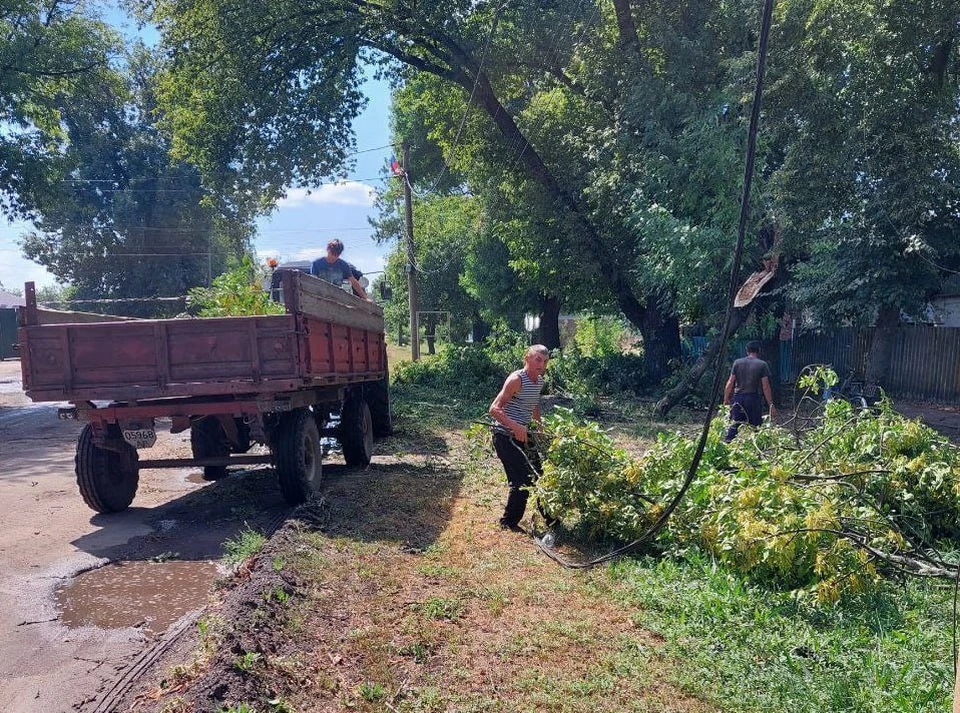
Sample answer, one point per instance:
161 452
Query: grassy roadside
398 593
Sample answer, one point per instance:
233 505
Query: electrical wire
98 189
143 229
115 180
724 335
463 119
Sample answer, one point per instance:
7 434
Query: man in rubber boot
749 376
514 409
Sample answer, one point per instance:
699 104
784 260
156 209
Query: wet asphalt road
48 535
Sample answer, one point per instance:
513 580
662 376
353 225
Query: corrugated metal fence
925 364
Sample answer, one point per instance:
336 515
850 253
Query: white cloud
311 253
346 193
16 270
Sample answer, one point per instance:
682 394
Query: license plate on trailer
140 437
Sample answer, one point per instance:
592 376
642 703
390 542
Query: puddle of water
197 477
151 595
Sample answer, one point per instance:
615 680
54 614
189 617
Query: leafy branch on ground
832 511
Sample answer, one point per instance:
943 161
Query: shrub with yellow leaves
830 512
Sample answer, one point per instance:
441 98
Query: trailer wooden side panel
326 337
157 358
334 350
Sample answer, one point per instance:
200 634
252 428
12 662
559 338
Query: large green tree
53 54
122 219
869 183
275 84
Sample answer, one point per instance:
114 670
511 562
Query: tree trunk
550 322
481 330
881 347
431 334
661 341
609 267
467 73
705 362
629 40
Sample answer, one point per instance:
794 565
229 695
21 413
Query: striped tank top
520 406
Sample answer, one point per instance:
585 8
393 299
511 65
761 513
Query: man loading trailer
335 269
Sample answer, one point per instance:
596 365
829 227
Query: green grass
440 608
372 692
752 649
244 545
247 661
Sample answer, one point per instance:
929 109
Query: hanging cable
466 114
169 178
724 335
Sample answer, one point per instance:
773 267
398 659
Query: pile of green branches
237 292
833 510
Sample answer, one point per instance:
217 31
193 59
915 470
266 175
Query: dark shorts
747 408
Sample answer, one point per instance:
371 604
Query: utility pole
412 289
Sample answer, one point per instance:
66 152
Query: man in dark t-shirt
749 377
332 268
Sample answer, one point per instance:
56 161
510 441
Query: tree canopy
53 55
597 145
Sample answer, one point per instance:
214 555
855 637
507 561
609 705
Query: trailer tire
298 457
107 479
356 431
207 440
377 394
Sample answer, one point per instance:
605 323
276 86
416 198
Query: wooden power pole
412 288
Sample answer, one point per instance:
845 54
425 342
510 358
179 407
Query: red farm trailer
279 380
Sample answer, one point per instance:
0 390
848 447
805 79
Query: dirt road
51 658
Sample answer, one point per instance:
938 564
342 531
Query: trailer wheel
107 479
298 457
356 431
207 440
377 394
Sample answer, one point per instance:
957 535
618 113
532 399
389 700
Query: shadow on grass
403 496
398 503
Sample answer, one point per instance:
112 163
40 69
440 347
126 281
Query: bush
599 336
455 367
608 374
861 495
473 367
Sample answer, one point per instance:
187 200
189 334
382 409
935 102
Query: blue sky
302 224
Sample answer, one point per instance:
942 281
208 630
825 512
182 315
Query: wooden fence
925 364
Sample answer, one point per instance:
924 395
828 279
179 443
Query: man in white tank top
516 406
